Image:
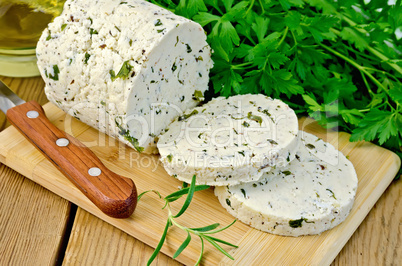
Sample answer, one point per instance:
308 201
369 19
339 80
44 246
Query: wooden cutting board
376 167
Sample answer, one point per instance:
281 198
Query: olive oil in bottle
22 22
21 25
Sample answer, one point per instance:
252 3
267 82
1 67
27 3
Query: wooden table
40 228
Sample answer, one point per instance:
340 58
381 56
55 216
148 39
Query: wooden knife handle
113 194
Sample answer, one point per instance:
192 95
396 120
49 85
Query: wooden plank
117 248
376 168
32 221
378 241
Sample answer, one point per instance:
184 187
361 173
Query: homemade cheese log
314 193
126 68
228 141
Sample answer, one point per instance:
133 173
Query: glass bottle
21 25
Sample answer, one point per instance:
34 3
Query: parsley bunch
338 61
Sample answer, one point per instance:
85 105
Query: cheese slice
230 140
127 68
314 193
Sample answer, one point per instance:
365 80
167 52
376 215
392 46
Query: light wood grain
378 240
375 166
32 219
116 248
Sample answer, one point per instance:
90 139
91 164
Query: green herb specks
174 67
310 146
186 116
189 50
55 75
198 96
49 36
255 118
298 223
228 202
126 135
243 192
123 72
273 142
170 158
158 22
92 31
87 56
332 193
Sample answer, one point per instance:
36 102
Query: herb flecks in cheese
298 223
198 96
126 135
170 157
255 118
225 141
186 116
87 56
124 71
56 71
135 56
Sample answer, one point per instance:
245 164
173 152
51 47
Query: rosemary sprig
204 233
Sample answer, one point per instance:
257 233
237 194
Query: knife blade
113 194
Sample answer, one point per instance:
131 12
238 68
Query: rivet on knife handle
113 194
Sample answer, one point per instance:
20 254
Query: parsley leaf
378 124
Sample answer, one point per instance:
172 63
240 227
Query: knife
113 194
